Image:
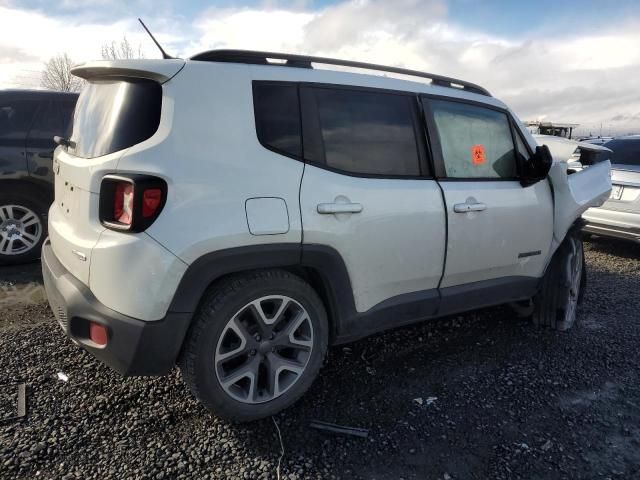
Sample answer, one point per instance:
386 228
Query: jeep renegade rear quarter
237 216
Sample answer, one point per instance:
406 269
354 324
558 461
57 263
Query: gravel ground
483 395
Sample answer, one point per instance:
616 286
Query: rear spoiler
159 71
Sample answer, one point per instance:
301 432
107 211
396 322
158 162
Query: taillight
151 199
123 203
131 203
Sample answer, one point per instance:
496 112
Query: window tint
115 114
476 142
48 121
277 113
15 117
625 151
367 132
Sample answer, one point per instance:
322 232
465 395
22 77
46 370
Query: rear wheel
23 226
256 346
556 303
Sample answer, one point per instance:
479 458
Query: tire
227 364
563 286
20 239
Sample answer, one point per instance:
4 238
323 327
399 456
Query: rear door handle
332 208
469 207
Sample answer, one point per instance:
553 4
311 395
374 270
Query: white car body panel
118 282
574 194
217 140
587 188
395 245
512 237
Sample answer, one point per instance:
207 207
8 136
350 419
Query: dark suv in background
29 119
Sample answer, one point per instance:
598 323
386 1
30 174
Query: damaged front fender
575 191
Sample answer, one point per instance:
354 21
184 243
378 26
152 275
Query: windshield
625 151
112 115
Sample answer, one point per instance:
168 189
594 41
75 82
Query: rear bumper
134 347
612 223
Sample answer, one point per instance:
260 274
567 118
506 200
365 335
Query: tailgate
74 228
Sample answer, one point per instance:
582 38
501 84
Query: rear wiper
65 142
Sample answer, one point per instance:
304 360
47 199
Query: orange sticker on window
477 155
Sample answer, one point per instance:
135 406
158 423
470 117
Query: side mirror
538 166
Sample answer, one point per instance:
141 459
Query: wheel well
308 274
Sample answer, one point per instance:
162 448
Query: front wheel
563 285
256 346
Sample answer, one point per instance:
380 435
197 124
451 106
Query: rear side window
15 117
277 112
625 152
476 141
115 114
367 132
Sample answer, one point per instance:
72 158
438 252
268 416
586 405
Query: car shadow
614 246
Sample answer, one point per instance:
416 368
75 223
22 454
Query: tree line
57 75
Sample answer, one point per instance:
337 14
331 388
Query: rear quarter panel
212 161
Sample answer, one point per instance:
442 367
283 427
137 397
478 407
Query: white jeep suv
237 212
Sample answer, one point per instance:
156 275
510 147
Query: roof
35 92
306 61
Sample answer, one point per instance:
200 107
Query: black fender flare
321 265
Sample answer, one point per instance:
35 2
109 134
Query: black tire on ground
29 199
222 303
563 286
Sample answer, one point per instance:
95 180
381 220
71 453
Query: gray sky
577 62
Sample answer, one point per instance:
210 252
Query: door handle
469 207
333 208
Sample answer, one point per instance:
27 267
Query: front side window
367 132
112 115
277 113
476 141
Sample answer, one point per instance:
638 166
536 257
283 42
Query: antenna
165 55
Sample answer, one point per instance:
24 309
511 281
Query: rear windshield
625 151
112 115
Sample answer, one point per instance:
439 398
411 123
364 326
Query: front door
499 232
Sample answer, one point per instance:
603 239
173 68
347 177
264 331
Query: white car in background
619 217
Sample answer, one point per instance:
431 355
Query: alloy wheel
263 349
20 229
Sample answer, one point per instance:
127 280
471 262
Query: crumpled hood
562 149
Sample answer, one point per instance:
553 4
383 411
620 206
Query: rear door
499 232
368 193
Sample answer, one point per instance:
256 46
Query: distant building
556 129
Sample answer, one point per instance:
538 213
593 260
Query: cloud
584 77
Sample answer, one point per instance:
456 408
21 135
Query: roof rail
305 61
